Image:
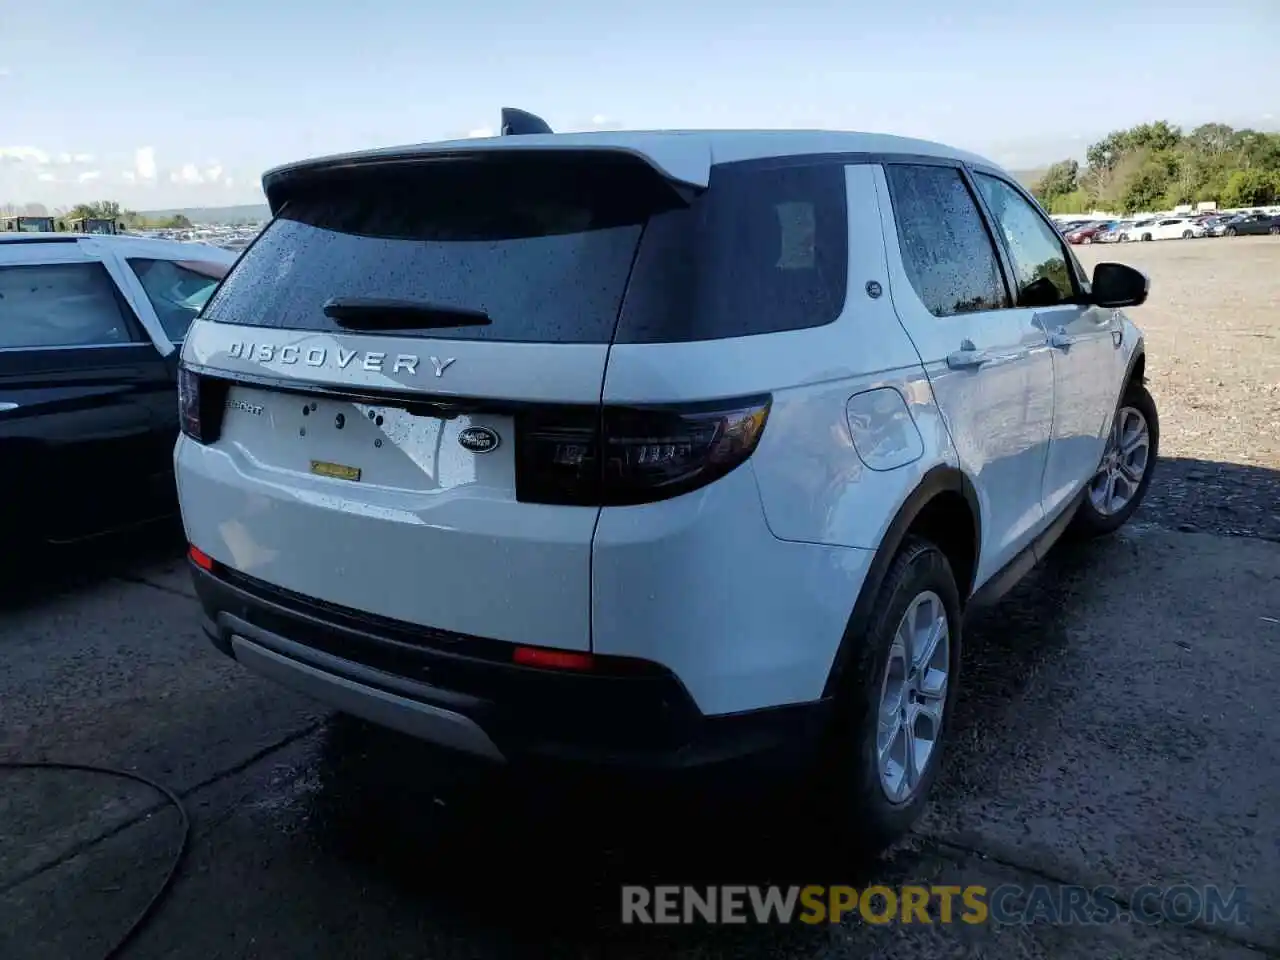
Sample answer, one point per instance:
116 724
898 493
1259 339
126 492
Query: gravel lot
1213 358
1116 726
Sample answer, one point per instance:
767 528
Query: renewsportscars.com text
1009 904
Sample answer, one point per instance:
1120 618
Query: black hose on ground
140 921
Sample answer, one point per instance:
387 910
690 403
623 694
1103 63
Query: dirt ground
1212 328
1115 727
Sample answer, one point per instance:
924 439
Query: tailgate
373 357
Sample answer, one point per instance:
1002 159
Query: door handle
967 359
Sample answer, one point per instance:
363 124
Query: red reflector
552 659
200 558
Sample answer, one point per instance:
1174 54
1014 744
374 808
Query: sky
171 103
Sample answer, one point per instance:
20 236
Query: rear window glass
763 249
543 246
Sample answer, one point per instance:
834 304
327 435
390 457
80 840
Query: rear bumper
464 692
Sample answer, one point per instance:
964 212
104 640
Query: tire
1274 231
1146 236
1231 232
1092 519
1087 240
1187 234
856 802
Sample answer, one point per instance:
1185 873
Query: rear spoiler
682 159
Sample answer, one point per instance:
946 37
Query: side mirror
1116 285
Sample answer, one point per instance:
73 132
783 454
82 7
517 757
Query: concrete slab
1143 748
1113 729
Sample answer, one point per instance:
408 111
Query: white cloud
144 163
227 182
188 174
128 176
89 175
47 178
213 174
24 155
66 158
481 132
603 122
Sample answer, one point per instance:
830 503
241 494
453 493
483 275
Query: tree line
1156 166
101 210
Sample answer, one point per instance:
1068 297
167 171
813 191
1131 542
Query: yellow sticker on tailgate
338 471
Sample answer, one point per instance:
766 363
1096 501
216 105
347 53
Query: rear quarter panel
816 483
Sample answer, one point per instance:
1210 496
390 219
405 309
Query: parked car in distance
1115 234
1089 232
1170 228
1252 224
650 448
1132 231
89 332
1216 226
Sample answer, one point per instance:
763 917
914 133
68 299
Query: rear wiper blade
368 313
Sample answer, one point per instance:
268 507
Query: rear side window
61 305
177 289
541 245
946 249
763 249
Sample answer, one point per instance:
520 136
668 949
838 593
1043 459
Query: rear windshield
545 247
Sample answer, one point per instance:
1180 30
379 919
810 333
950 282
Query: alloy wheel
913 696
1124 463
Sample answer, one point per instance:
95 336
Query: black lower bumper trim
632 719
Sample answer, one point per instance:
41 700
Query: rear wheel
1232 232
897 699
1146 236
1274 231
1118 486
1187 234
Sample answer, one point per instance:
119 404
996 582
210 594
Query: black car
89 330
1253 224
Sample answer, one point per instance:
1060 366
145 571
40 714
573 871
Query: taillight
189 403
633 454
199 557
200 405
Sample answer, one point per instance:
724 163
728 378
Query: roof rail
516 122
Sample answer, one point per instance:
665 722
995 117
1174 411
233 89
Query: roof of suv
683 155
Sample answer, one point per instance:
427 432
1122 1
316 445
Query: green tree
1249 188
1146 188
1060 179
1155 166
1078 201
1212 140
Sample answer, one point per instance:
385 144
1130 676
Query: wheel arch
1137 369
935 509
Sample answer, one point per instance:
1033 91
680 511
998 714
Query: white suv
651 448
